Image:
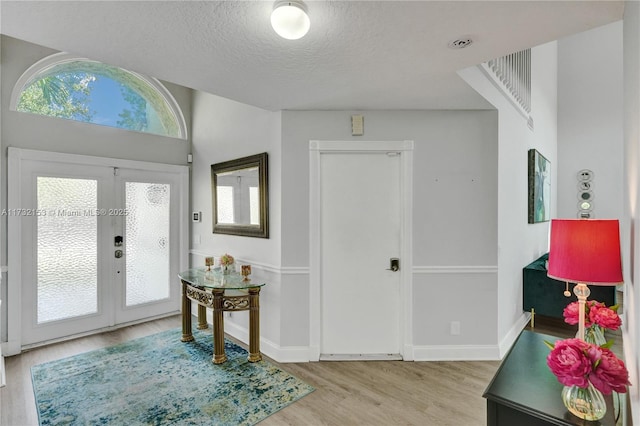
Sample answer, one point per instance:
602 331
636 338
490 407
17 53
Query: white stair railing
511 74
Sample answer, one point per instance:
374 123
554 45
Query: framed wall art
539 187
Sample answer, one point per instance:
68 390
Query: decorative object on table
539 170
208 261
227 264
208 273
159 380
585 251
246 271
587 371
597 318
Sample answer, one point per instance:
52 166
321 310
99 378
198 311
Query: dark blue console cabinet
545 295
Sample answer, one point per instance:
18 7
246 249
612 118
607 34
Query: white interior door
75 276
360 222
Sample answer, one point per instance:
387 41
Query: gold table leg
254 325
202 317
533 316
219 355
186 315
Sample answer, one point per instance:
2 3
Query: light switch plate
196 216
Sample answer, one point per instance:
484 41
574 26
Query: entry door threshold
360 357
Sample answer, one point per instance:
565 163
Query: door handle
118 254
394 264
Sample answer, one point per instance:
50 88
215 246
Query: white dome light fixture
290 20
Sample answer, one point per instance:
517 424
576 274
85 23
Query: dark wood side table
212 289
524 391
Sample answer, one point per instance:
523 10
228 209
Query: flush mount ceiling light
290 20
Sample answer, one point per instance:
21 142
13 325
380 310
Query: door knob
119 254
394 264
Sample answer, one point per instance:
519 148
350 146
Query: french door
100 245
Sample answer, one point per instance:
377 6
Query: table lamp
585 251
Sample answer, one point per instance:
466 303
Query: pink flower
605 317
575 362
570 313
594 313
610 374
570 363
571 316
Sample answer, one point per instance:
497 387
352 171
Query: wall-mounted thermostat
196 216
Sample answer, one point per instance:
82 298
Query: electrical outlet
455 328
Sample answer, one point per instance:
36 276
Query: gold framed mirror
240 195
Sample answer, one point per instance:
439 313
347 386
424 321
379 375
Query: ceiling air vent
460 43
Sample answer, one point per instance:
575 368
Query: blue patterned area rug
159 380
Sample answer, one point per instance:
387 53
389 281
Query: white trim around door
316 148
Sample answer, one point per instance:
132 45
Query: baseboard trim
360 357
472 352
513 334
267 347
285 354
456 353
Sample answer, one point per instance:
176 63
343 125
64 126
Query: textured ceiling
357 55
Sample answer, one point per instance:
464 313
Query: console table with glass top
212 289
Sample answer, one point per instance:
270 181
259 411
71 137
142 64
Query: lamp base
582 292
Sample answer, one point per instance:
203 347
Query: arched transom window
80 89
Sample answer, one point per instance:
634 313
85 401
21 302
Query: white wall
455 168
631 186
224 130
519 243
32 131
590 119
455 217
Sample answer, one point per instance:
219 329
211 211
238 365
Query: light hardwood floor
347 393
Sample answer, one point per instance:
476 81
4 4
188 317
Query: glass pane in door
147 242
67 248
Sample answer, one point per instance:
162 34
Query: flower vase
227 269
594 335
585 403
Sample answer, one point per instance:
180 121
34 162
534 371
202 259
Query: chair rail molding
456 269
282 270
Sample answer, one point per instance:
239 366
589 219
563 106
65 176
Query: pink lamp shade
585 251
